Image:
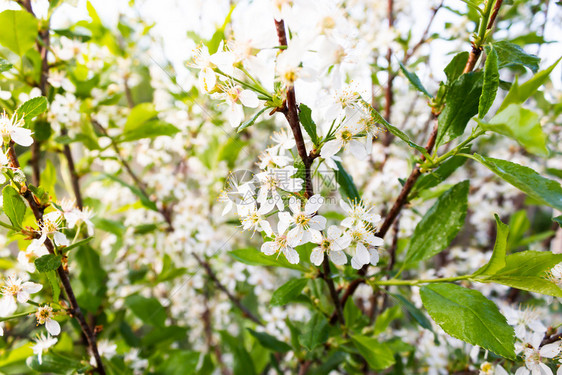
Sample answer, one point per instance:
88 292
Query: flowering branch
291 114
74 307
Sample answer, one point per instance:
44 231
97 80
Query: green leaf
510 54
558 219
347 186
19 31
149 310
14 207
150 129
527 270
54 363
520 124
254 257
546 191
243 363
491 83
179 362
414 80
270 342
305 117
440 174
5 66
135 190
32 108
469 316
461 103
315 332
440 224
385 318
288 292
455 68
252 120
378 355
49 262
416 313
54 281
140 114
519 94
392 129
497 261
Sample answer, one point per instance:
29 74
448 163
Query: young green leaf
558 219
440 224
149 310
32 108
252 120
49 262
305 116
461 103
270 342
527 270
491 83
347 186
520 124
455 68
510 54
546 191
54 281
19 30
14 207
414 80
149 129
519 94
416 313
288 292
315 332
469 316
254 257
440 174
497 261
5 66
378 355
377 117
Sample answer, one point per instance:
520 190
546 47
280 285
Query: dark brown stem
477 49
388 96
74 307
166 213
291 113
326 275
304 366
247 313
128 94
75 179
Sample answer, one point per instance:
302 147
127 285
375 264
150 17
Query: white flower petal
331 148
269 248
22 136
317 256
291 255
338 257
358 149
249 98
317 222
53 327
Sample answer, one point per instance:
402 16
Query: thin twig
166 213
230 296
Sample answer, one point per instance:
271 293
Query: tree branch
74 307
